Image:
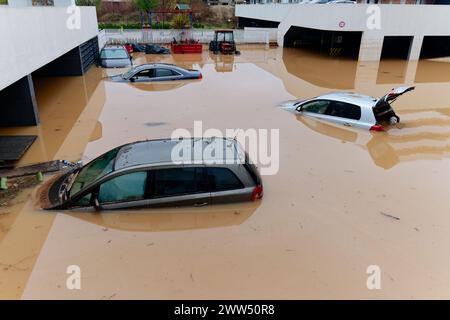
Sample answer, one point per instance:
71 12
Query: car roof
159 152
156 65
114 46
350 97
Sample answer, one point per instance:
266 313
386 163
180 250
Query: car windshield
129 73
94 170
114 54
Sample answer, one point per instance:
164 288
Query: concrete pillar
18 105
370 48
410 74
416 46
366 75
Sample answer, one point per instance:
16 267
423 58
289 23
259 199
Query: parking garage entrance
333 43
396 47
18 101
435 47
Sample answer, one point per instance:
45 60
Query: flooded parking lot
342 200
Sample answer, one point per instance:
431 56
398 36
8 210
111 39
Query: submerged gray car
114 56
145 174
157 72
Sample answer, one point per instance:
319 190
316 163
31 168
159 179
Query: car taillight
200 76
257 193
377 127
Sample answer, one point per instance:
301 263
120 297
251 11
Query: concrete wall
34 36
272 12
395 20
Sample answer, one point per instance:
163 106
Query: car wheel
394 120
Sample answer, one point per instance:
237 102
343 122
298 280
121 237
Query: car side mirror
132 79
97 205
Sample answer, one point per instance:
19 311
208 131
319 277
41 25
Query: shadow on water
387 149
172 219
320 70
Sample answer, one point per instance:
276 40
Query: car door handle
347 124
200 204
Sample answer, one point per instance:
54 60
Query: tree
147 5
96 3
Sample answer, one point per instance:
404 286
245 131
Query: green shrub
3 2
159 25
96 3
180 21
198 25
108 25
119 25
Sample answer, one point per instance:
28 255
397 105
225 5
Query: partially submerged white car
351 109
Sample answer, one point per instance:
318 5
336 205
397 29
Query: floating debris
154 124
389 215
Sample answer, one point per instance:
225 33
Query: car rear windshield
94 170
251 169
114 54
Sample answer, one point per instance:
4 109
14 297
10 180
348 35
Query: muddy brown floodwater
342 200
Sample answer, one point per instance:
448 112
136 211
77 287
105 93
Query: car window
177 181
127 187
145 74
221 179
164 73
344 110
85 201
316 106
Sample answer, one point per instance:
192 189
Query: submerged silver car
145 174
351 109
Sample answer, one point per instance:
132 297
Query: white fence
167 35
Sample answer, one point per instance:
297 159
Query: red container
186 47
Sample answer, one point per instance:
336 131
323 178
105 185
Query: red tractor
223 42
